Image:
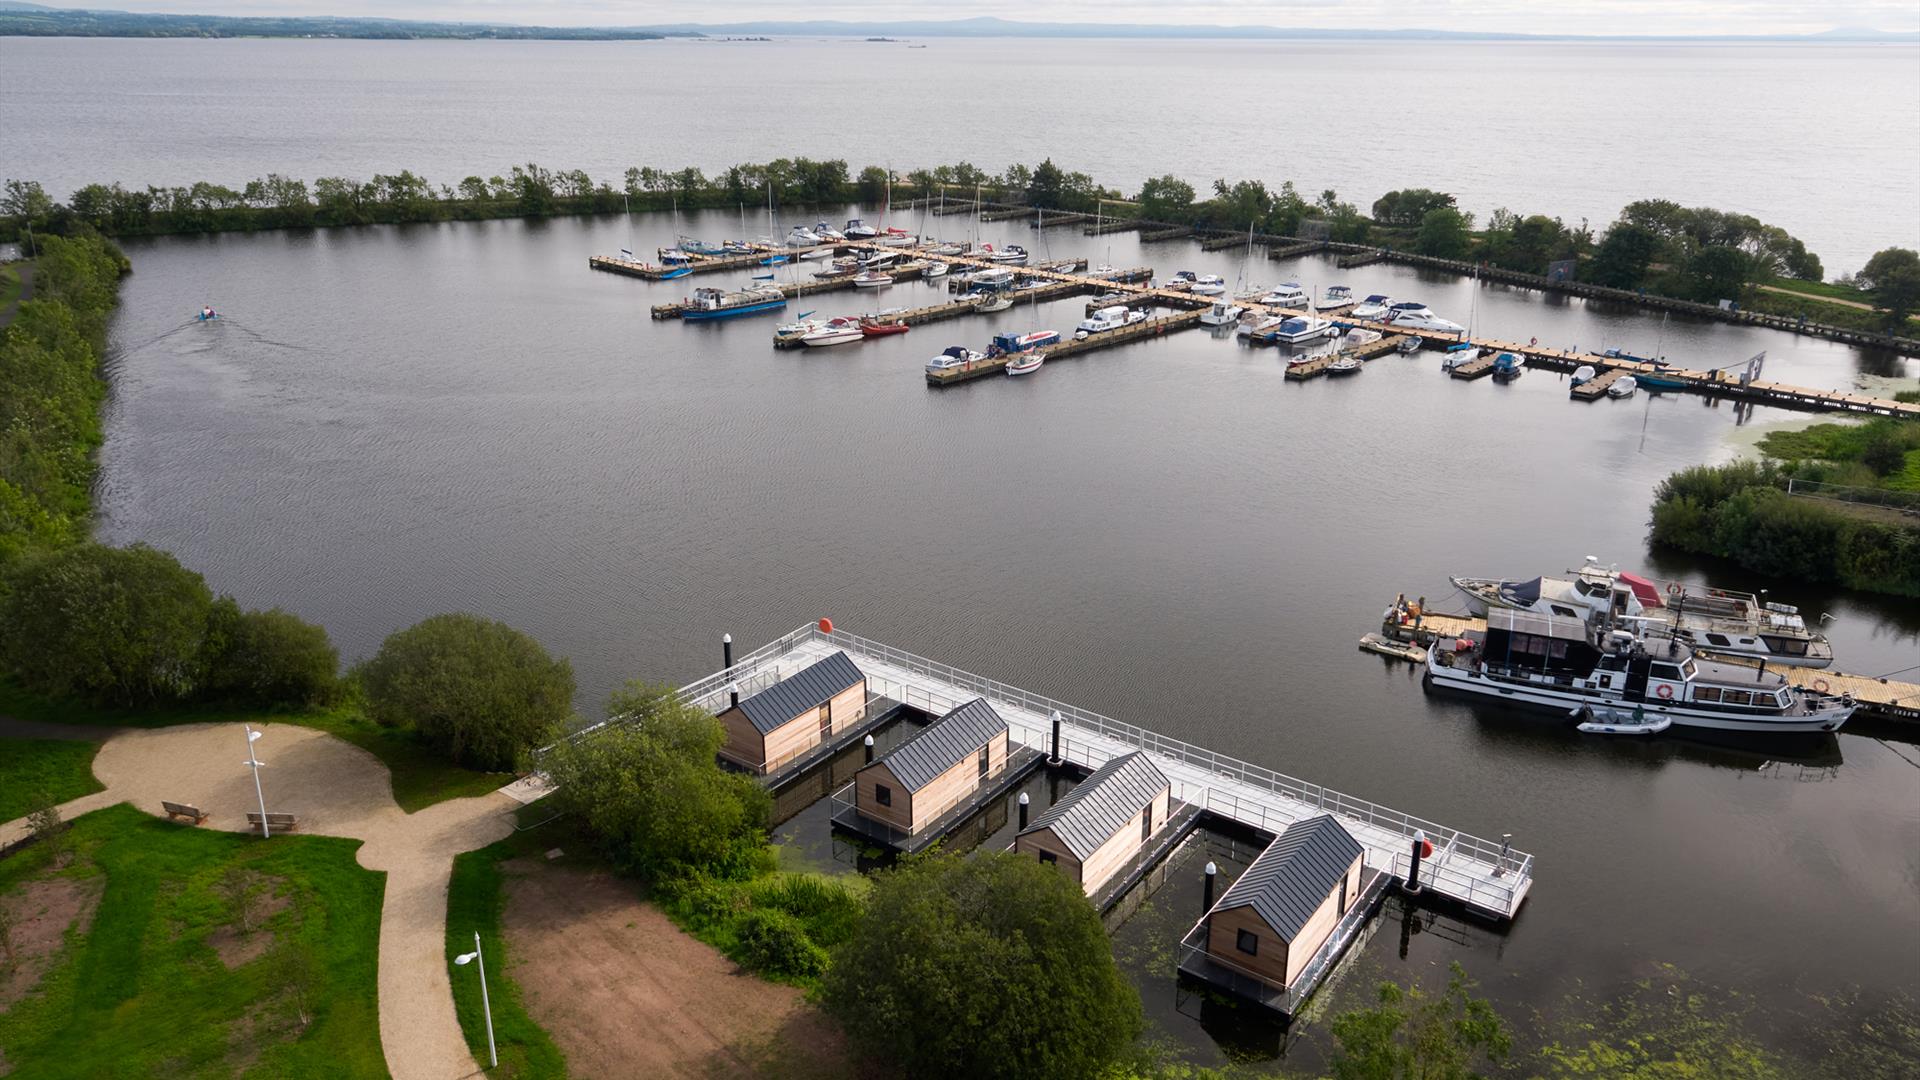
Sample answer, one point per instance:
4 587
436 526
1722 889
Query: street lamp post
486 1006
255 762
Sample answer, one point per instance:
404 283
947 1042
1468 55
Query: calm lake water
1822 140
394 422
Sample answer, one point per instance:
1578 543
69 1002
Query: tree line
1655 245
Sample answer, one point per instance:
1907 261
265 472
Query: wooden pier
1069 347
1293 249
1482 875
991 216
1716 383
1110 226
1223 242
1157 235
1364 258
1478 368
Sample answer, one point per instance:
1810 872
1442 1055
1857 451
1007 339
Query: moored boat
1011 255
1604 720
1302 329
1458 356
955 358
1581 374
1345 365
936 270
1415 315
879 326
1563 662
872 279
1623 387
1106 319
1209 285
859 230
711 304
991 301
1372 309
1288 295
1399 650
1008 343
1221 313
1026 363
1336 296
837 331
1507 367
1357 337
801 236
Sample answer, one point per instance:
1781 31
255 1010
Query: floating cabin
1286 905
1095 828
795 715
934 769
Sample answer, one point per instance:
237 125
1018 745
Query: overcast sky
1504 16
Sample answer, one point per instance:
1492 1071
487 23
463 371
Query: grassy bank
476 902
421 777
36 771
1833 503
190 952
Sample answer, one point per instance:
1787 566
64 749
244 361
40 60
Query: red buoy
826 626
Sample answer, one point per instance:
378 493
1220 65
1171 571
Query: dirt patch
247 938
624 993
41 912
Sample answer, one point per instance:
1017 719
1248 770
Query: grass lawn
162 983
9 286
421 777
475 901
1822 288
32 770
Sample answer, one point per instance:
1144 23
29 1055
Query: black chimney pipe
726 659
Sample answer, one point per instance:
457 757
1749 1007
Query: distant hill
19 19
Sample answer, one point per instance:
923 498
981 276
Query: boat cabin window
1561 609
1666 671
1586 588
1786 646
1249 943
1736 697
1706 693
1718 639
1690 669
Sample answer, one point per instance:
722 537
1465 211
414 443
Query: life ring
1673 588
1665 692
1820 685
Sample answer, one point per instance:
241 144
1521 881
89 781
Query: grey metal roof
943 744
1535 622
808 688
1291 879
1102 804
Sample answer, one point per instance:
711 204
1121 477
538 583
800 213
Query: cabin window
826 721
883 795
1786 646
1146 824
1736 697
986 756
1706 693
1718 639
1049 858
1249 943
1666 671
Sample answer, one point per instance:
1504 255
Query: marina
1610 369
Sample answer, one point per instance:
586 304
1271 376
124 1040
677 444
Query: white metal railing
1212 762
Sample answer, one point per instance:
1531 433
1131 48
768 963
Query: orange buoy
1426 848
826 626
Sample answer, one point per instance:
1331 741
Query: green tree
123 626
1409 207
25 199
1625 252
1716 273
1047 186
479 691
1445 233
1893 278
1166 198
648 788
872 184
991 965
1411 1035
269 658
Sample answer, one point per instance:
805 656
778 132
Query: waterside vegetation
1655 245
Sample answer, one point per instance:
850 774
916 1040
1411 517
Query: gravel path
335 789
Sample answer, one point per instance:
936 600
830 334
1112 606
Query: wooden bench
183 810
278 822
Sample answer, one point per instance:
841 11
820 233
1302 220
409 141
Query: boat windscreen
1525 592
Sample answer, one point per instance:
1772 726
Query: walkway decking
1467 869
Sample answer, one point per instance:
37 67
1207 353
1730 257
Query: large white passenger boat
1564 662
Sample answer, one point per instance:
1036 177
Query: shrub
270 658
993 965
479 691
650 792
775 943
123 626
828 907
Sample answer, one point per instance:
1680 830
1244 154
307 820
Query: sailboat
1223 312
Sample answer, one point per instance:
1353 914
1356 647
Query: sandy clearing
625 993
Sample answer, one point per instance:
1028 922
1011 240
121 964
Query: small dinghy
1026 363
1399 650
1604 720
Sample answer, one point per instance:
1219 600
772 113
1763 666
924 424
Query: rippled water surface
393 422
